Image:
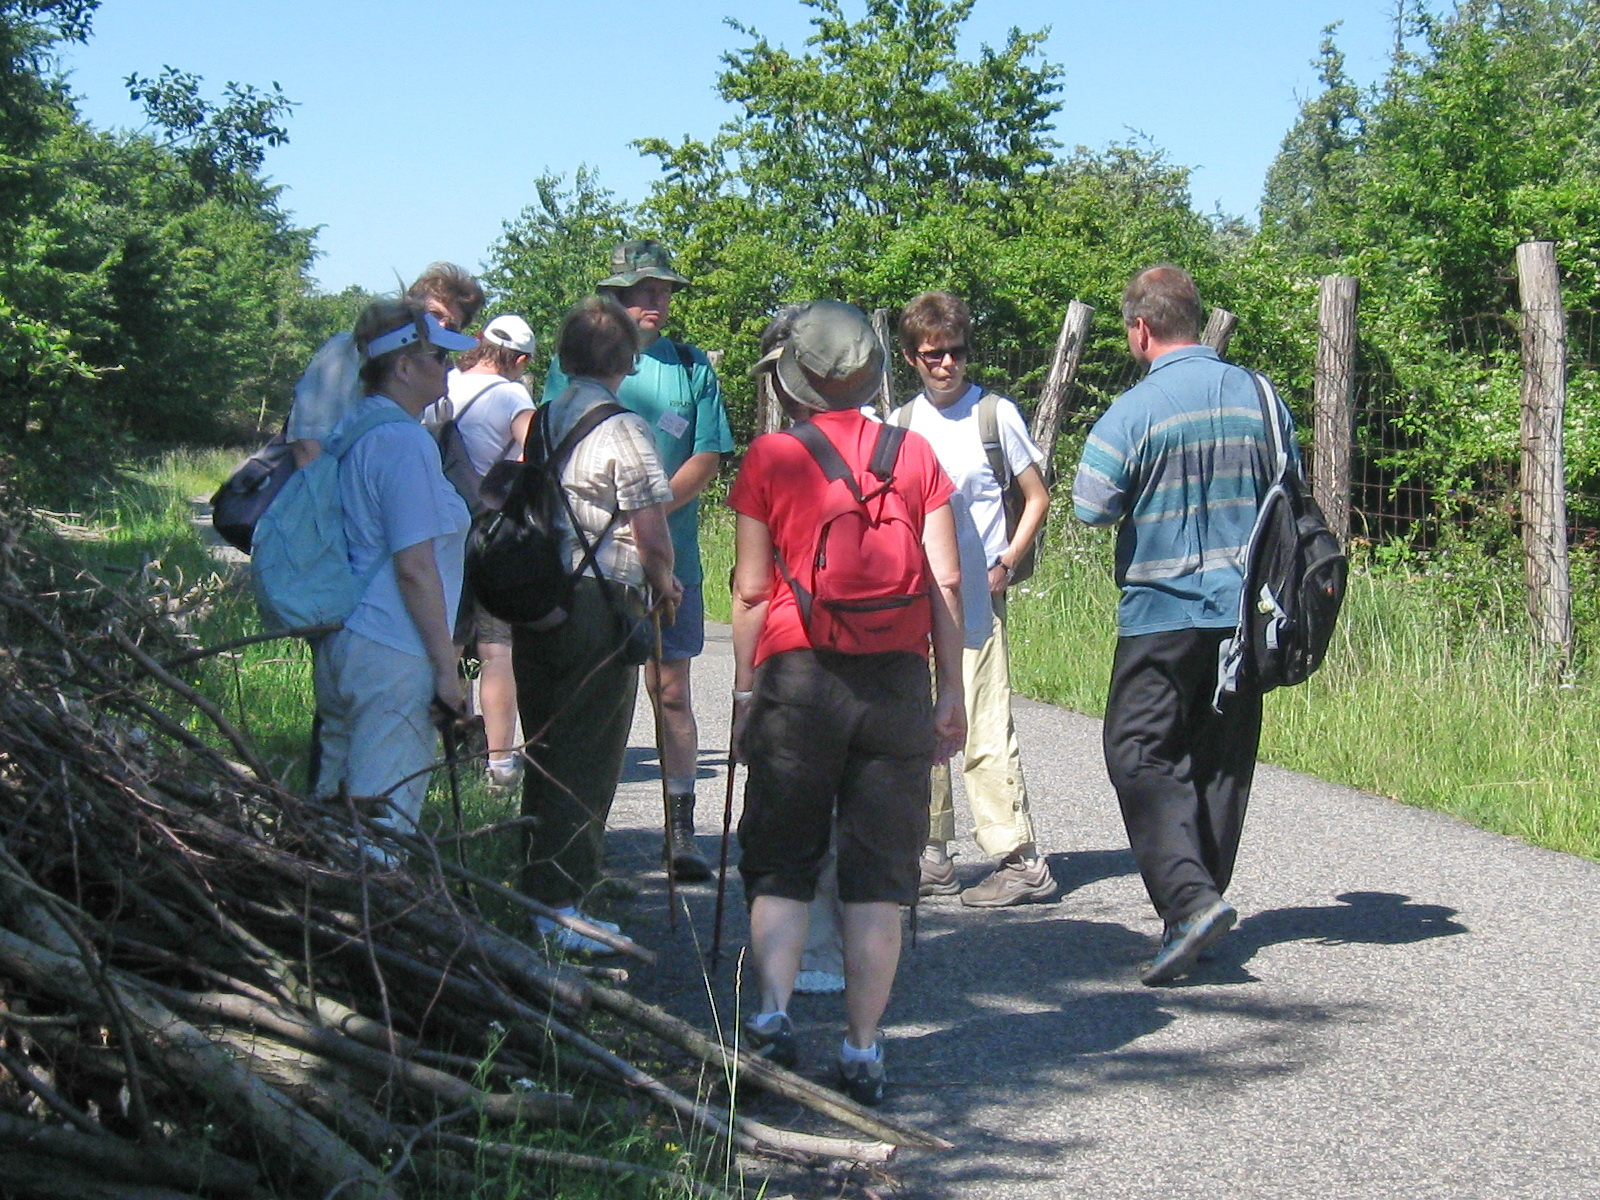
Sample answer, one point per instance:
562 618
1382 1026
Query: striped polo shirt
1180 460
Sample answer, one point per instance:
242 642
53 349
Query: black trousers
1182 771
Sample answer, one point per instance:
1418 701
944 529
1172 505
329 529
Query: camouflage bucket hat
831 359
632 261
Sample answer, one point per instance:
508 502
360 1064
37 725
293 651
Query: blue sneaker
1183 942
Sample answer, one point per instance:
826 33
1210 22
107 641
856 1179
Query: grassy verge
1431 694
139 523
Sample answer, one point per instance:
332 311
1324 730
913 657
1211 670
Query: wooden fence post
1063 370
880 326
1333 403
1544 474
1219 330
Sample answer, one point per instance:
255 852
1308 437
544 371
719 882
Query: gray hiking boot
688 864
1184 943
863 1079
1015 881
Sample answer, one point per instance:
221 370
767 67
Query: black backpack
1295 573
515 568
254 484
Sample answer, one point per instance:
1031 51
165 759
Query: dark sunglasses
934 357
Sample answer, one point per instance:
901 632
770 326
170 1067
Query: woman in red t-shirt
823 729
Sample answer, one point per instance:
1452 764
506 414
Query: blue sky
421 127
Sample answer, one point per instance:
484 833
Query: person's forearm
947 636
692 478
1036 503
747 622
422 592
654 542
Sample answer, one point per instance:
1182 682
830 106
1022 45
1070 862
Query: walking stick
448 730
666 796
722 867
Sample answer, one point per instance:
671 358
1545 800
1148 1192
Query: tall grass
1432 693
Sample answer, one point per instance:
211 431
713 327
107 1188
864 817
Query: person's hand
999 579
668 598
949 724
449 697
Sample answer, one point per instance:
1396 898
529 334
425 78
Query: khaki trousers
992 762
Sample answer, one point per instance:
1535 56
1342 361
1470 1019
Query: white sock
504 763
767 1020
848 1053
680 787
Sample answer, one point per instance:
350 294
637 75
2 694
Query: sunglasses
934 357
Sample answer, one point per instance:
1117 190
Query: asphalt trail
1408 1006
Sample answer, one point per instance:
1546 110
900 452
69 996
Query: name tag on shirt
673 425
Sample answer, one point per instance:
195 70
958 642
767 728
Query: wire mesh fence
1436 437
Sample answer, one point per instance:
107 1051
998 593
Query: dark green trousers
575 697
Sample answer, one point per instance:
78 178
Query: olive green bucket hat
830 358
632 261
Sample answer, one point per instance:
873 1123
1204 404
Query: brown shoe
1014 881
938 876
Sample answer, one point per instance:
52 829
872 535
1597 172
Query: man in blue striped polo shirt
1179 462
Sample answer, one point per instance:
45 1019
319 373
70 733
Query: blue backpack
299 558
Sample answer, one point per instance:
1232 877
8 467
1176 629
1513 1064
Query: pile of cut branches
210 987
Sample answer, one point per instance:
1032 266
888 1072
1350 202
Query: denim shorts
686 636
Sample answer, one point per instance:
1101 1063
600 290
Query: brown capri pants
851 728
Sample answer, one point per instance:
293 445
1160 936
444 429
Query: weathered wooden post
1333 403
1219 330
880 326
1544 472
1063 370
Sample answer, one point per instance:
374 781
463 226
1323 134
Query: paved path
1409 1007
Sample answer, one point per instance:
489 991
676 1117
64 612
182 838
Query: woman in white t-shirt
382 678
935 329
493 411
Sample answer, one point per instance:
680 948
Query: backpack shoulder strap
901 416
341 445
461 416
1271 403
685 356
827 455
582 428
886 452
989 435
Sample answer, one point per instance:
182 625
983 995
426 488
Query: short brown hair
1166 299
452 286
500 358
598 338
378 318
941 317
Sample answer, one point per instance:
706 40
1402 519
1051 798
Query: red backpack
868 580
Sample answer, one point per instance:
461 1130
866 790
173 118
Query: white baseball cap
512 332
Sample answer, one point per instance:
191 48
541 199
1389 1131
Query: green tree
554 251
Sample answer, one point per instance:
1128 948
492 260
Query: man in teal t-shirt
675 389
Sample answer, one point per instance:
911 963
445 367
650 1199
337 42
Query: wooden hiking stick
666 796
727 822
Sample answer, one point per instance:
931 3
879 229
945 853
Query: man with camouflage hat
676 391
